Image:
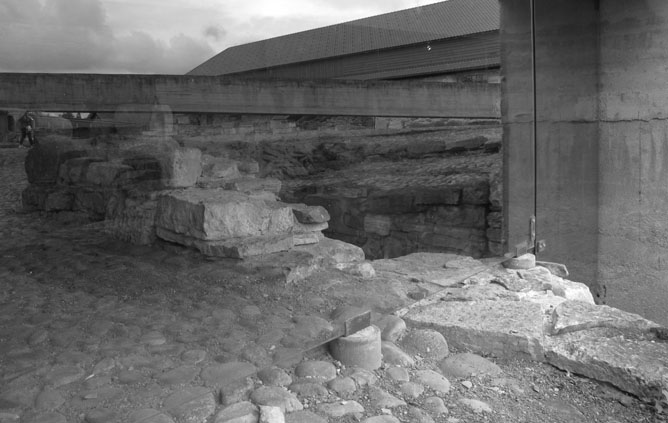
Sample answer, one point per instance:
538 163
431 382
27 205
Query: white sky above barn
156 36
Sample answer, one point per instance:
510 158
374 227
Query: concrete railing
203 94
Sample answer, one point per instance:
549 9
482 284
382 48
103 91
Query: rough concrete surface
97 330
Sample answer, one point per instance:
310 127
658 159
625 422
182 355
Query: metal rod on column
535 114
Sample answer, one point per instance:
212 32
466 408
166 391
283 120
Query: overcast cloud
156 36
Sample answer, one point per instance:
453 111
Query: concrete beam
205 94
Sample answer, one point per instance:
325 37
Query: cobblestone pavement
100 331
93 330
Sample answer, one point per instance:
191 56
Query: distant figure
27 125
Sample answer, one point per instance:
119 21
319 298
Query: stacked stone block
151 188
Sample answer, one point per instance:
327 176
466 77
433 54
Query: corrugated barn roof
448 19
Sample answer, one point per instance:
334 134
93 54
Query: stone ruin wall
464 218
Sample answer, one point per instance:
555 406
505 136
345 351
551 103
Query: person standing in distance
27 125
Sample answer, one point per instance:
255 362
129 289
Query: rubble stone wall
461 219
240 127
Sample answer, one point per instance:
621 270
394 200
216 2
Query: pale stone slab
637 366
503 328
212 215
573 316
426 267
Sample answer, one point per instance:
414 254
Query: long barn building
450 41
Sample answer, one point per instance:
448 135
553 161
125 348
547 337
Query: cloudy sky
156 36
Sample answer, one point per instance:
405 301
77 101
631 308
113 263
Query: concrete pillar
633 251
602 143
558 176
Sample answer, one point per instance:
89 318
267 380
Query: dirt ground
58 273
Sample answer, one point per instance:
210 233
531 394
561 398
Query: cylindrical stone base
526 261
361 349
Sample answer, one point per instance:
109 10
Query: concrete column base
361 349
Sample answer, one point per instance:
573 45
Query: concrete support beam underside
204 94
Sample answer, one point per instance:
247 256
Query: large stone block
477 193
213 215
232 247
461 216
181 167
135 223
43 161
74 171
249 167
219 168
59 200
106 173
310 214
391 202
34 197
92 201
377 224
438 196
